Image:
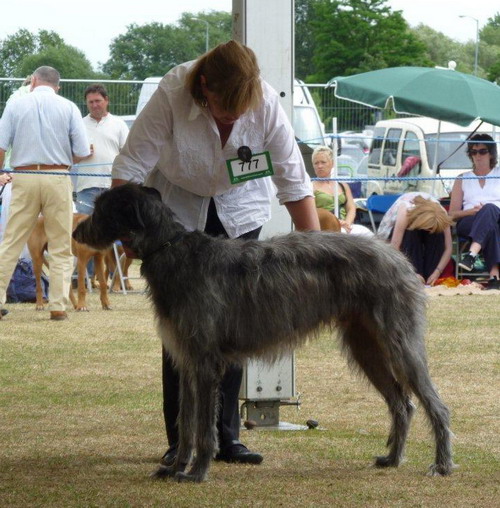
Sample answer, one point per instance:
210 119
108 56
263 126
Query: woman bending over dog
204 115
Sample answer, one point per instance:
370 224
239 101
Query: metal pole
477 47
335 167
476 56
206 31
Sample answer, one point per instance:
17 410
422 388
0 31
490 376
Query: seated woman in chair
417 225
475 205
324 193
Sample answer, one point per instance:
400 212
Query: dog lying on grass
221 301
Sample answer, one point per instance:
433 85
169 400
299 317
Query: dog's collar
164 245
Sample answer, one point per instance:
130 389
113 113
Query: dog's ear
138 215
122 207
151 192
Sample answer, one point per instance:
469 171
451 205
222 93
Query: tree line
332 38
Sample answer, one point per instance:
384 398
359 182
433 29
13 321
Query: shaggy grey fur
220 301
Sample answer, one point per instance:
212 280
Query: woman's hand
345 225
475 209
303 213
434 276
5 178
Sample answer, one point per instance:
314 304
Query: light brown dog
37 245
328 221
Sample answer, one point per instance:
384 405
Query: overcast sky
91 26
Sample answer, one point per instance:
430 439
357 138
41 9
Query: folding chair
377 205
120 264
119 260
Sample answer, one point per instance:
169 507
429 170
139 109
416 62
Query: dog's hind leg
363 349
37 258
82 261
419 380
206 387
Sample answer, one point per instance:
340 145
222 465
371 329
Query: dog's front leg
206 388
186 427
186 422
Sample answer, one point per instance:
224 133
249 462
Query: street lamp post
477 40
206 31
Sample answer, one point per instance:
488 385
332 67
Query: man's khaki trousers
50 195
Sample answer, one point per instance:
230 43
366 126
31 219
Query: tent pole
335 146
434 169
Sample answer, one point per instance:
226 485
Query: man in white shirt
107 134
47 135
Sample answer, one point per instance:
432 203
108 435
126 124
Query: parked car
354 152
408 145
128 119
362 140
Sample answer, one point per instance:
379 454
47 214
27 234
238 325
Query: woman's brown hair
232 73
428 215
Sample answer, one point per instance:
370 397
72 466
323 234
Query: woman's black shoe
493 283
239 454
168 458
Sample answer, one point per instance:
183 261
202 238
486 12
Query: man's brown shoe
58 315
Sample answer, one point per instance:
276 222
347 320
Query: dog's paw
81 308
385 461
106 307
162 472
441 469
182 477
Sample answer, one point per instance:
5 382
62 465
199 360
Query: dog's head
123 213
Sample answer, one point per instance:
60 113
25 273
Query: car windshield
306 127
448 143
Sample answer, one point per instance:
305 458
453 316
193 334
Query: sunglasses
481 151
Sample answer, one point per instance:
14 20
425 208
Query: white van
408 145
307 124
147 90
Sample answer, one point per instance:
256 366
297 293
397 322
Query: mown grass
81 422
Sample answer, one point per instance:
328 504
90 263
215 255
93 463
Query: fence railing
124 96
350 116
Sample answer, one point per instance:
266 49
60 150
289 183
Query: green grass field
81 421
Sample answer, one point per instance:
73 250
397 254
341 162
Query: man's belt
42 167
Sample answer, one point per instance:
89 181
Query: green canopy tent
425 91
442 94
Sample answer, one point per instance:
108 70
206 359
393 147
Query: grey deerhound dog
221 301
